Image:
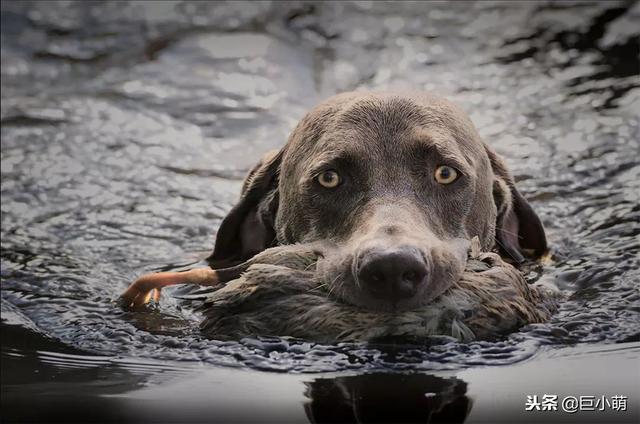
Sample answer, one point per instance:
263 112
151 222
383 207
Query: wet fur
282 294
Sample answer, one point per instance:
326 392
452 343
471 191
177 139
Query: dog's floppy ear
518 228
248 228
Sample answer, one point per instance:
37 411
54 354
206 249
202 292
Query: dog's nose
393 274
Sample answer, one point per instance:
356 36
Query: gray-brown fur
281 294
387 147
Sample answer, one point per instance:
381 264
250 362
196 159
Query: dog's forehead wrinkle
446 145
380 116
360 119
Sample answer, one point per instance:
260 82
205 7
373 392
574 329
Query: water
127 129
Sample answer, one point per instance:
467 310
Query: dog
398 183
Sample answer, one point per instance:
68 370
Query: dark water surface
127 129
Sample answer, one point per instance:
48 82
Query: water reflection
49 390
387 398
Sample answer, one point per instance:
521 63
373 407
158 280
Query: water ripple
127 127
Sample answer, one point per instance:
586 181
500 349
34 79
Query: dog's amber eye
446 174
329 179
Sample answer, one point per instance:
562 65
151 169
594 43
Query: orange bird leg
147 287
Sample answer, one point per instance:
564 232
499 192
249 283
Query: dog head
400 183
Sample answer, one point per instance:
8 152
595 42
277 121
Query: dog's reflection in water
398 398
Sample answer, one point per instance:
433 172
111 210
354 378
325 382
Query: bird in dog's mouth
282 291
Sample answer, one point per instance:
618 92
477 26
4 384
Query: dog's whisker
333 285
338 287
317 287
510 232
354 271
506 250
